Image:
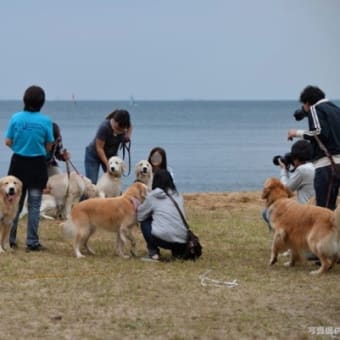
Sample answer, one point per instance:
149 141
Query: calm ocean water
211 145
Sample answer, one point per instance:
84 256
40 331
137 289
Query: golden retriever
67 190
110 183
116 214
144 174
10 193
301 227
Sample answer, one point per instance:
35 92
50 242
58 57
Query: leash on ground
126 147
206 281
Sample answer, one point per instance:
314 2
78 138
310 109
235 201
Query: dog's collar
135 202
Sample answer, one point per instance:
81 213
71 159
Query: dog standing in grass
115 214
301 227
10 193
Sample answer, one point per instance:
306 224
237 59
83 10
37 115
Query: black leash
126 148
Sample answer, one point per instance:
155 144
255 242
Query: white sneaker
153 258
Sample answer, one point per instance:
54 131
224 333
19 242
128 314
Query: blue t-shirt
29 133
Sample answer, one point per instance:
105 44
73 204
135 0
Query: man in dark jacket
324 125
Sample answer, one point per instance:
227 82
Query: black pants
322 182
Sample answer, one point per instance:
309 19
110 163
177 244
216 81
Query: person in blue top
30 136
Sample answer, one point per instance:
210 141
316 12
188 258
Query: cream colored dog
301 227
110 183
68 190
144 174
116 214
10 193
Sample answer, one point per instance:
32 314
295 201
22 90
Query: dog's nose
145 169
11 191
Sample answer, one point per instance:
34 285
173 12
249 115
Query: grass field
53 295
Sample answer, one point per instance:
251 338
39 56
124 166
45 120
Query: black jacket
324 121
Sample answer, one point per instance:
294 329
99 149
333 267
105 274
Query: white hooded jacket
166 223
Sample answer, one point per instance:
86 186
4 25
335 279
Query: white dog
68 190
143 171
110 183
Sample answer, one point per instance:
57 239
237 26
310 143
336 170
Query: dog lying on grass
301 227
115 214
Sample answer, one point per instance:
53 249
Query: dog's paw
79 255
272 261
316 272
288 264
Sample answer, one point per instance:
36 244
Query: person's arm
100 151
144 210
294 181
315 123
8 142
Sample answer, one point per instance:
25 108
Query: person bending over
161 223
115 130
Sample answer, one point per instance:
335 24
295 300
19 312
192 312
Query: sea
212 146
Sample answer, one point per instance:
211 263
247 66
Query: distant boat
132 101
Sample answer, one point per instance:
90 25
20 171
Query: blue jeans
33 205
153 242
265 216
92 164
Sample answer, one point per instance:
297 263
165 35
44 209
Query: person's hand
66 155
292 133
281 164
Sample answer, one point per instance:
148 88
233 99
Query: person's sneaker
153 258
312 257
37 247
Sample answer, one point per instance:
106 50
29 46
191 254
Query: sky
169 50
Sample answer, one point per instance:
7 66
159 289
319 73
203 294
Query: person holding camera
324 134
301 178
297 173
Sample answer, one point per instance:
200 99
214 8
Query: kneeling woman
161 223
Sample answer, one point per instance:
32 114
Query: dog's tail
68 229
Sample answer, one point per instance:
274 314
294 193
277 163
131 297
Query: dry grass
56 296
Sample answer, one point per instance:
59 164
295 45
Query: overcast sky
174 49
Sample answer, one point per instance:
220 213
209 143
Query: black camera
300 114
286 160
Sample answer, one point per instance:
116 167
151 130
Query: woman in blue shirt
30 136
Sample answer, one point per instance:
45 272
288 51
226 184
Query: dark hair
301 150
122 117
162 179
162 152
34 98
311 95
